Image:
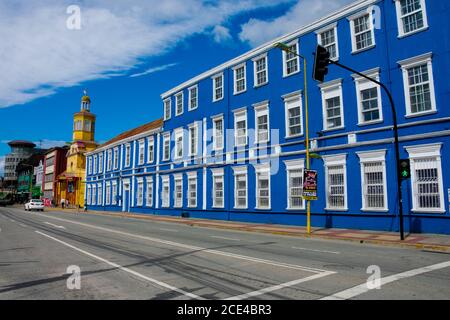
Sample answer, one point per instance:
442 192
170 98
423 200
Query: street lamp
287 49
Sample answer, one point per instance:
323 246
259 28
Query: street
126 258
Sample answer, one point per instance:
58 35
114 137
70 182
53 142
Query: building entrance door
126 197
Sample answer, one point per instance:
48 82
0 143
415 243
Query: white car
34 205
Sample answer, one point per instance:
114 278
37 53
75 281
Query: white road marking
54 225
115 265
22 225
169 230
12 220
225 238
316 250
363 288
281 286
195 248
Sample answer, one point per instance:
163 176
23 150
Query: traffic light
321 62
405 169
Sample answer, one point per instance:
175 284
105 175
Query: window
141 152
140 192
99 194
218 188
260 71
167 108
178 192
193 98
87 125
373 174
363 36
192 190
166 143
114 193
328 39
179 104
411 16
336 181
78 125
94 160
218 142
165 196
218 88
333 116
240 82
294 115
426 178
109 160
193 139
368 98
127 155
419 85
149 192
291 60
88 200
94 194
240 128
263 187
179 143
100 163
90 165
262 122
116 158
108 194
294 170
150 150
240 188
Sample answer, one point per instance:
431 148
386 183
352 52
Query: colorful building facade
55 163
232 142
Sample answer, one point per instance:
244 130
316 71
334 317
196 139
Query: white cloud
221 34
48 144
38 54
153 70
257 31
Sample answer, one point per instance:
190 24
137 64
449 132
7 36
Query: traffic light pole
396 142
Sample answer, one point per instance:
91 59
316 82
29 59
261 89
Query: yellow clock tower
71 183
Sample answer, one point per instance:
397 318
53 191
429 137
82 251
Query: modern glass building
232 142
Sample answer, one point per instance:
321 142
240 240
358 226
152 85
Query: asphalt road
126 258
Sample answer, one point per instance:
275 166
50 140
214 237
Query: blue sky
126 54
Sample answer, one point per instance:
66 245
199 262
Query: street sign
310 185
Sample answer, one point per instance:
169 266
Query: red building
55 163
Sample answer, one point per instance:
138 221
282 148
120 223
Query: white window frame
140 192
90 165
331 90
190 107
285 74
292 101
108 193
192 176
331 161
215 98
240 171
94 195
116 158
149 192
218 174
194 126
110 160
114 193
371 29
423 152
401 31
240 115
178 181
336 39
94 160
263 169
415 62
99 194
166 140
179 101
167 109
127 155
215 119
362 84
370 157
179 133
89 195
150 149
141 152
261 109
165 198
100 162
256 72
294 165
235 80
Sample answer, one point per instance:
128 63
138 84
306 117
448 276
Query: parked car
34 205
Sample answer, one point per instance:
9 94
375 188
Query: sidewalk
431 242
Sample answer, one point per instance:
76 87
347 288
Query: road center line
363 288
316 250
54 225
115 265
195 248
225 238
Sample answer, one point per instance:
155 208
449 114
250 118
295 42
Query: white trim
239 114
191 176
167 116
333 27
141 152
194 126
177 178
166 137
261 109
151 142
149 184
362 84
352 19
401 31
331 90
242 65
240 171
218 173
177 97
292 101
190 108
177 133
165 180
335 160
255 71
221 75
216 119
297 58
260 169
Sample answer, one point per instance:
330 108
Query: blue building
231 145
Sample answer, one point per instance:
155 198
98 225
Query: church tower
84 121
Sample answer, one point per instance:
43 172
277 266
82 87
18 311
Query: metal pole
396 143
308 162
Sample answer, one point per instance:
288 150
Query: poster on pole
310 185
